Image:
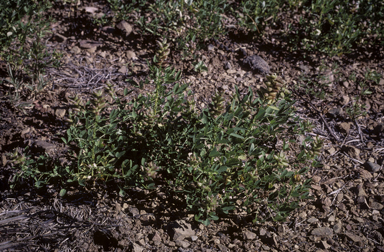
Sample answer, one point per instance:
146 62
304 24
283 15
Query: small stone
258 64
137 248
134 211
331 218
331 151
316 179
156 238
312 220
4 159
344 100
182 230
123 70
360 191
131 55
248 235
44 146
88 44
211 47
375 205
231 71
323 232
182 243
353 237
103 54
227 66
337 228
60 113
263 232
351 151
335 112
325 245
372 167
124 27
75 50
194 238
344 127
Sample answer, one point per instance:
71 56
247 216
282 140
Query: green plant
357 109
184 23
21 22
226 158
121 9
200 67
100 21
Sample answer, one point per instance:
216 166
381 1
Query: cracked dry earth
345 214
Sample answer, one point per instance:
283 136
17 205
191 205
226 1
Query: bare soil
345 214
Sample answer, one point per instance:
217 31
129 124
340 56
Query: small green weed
227 157
22 21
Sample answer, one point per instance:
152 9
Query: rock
60 113
222 248
88 44
335 112
137 248
124 27
344 100
331 151
181 230
134 211
352 151
325 245
372 167
337 227
75 50
262 232
258 64
327 78
354 238
131 55
156 238
211 47
194 238
344 127
375 205
183 244
227 66
323 232
108 29
360 191
312 220
365 175
248 235
103 54
44 146
123 70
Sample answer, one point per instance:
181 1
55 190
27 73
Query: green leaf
62 192
236 135
215 153
222 169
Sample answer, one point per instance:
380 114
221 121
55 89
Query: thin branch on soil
359 130
322 118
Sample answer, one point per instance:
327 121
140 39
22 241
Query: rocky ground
345 214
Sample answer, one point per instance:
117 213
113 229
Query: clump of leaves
162 52
274 84
21 22
228 158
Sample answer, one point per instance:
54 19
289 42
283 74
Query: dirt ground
345 214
